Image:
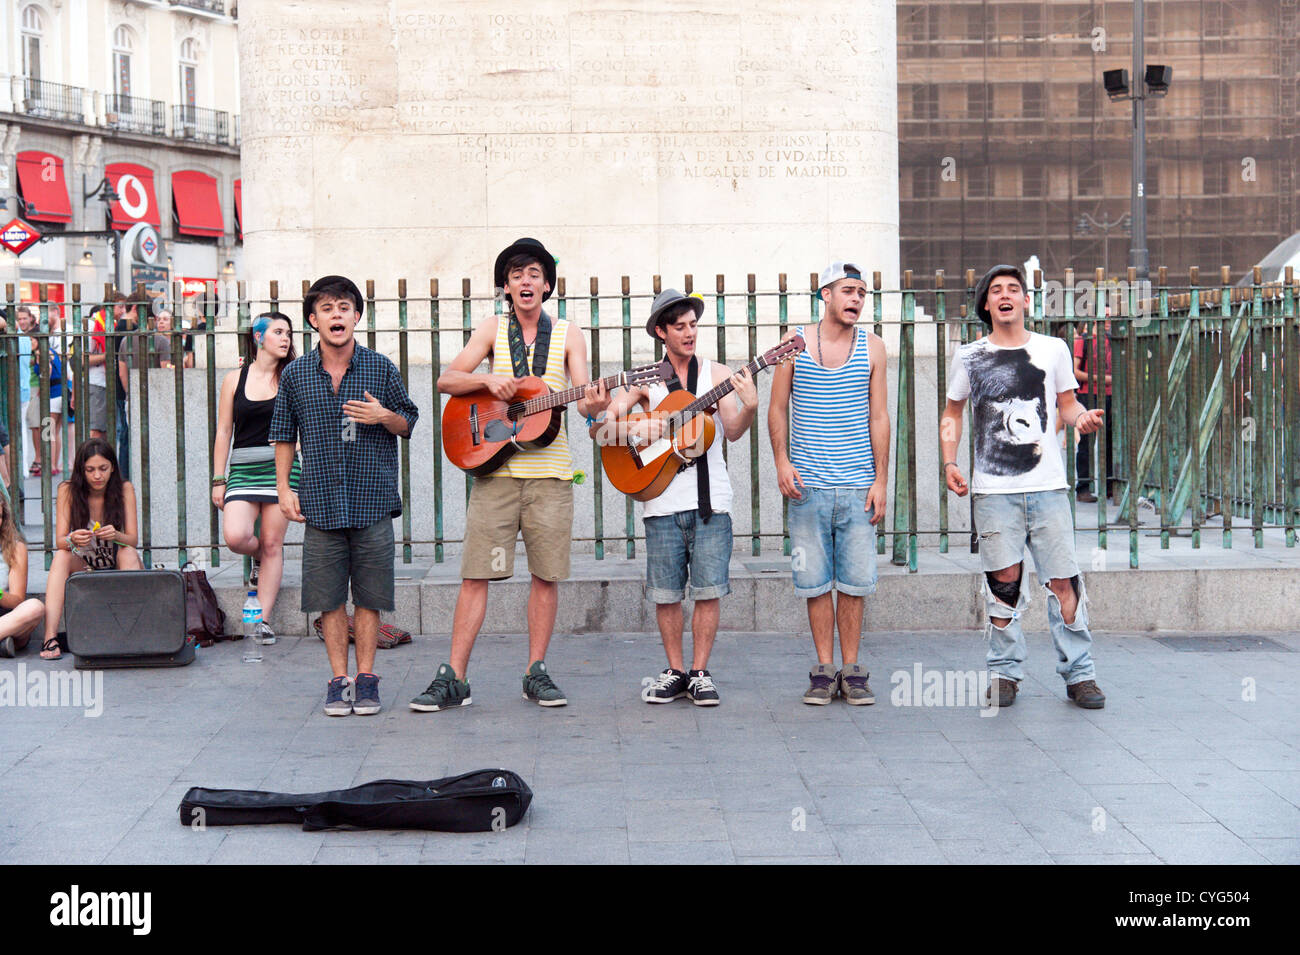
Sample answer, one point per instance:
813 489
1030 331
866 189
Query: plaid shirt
349 470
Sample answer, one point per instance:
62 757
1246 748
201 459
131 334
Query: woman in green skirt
246 490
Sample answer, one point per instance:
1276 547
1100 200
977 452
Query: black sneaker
444 693
255 573
7 647
671 685
539 688
701 689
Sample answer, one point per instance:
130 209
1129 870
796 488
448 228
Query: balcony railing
212 6
201 125
135 114
53 100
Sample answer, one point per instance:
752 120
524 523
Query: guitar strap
702 462
519 351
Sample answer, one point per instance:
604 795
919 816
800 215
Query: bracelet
599 419
220 479
949 464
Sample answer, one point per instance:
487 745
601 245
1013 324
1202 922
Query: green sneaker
443 693
540 688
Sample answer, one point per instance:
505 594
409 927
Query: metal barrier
1222 360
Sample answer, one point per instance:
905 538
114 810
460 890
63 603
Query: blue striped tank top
830 419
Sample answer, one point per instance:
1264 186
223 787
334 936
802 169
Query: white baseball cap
839 270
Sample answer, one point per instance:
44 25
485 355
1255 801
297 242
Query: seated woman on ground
20 615
247 491
96 529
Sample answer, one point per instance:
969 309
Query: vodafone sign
136 197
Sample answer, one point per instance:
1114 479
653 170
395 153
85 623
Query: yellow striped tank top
554 460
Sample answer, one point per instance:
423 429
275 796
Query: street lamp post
1152 81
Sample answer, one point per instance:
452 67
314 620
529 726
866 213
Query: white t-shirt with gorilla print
1013 411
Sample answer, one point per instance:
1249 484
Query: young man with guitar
688 523
831 404
532 491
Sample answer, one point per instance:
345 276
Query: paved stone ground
1178 768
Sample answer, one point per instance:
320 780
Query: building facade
140 97
1010 148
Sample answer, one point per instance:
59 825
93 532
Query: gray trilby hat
665 300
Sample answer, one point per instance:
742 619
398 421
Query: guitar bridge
473 425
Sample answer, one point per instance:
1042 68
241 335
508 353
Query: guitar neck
558 398
716 394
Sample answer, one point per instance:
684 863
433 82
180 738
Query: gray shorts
97 409
361 555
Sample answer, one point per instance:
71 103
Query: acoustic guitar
481 432
645 472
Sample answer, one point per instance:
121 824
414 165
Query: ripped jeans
1041 519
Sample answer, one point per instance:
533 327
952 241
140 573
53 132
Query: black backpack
482 801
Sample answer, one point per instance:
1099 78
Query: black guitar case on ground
127 618
482 801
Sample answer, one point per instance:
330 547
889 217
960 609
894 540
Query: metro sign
17 236
149 246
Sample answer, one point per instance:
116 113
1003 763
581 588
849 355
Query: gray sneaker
822 685
853 686
539 688
265 635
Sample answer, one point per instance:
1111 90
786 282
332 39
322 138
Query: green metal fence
1203 428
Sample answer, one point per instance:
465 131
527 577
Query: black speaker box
127 618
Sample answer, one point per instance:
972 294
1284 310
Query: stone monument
396 138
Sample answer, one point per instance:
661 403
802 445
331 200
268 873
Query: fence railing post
597 472
435 369
941 393
404 447
597 489
905 543
783 325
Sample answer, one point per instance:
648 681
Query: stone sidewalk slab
1193 760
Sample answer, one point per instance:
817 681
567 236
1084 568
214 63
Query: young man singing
831 403
531 493
348 406
1018 383
688 526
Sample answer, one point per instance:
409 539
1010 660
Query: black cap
335 284
982 290
525 246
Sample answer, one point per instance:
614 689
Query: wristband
599 419
949 464
218 480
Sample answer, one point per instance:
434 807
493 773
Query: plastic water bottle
252 617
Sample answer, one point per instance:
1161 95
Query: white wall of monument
396 138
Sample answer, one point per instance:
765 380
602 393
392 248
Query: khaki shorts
499 509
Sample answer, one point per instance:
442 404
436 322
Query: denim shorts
832 542
1006 523
676 544
361 555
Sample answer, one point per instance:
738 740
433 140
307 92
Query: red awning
239 208
43 188
134 187
194 198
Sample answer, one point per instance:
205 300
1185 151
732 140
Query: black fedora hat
667 299
331 282
525 246
982 290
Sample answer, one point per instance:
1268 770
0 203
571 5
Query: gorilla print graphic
1008 410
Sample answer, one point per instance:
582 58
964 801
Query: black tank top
252 418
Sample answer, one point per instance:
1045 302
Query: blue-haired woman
245 490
